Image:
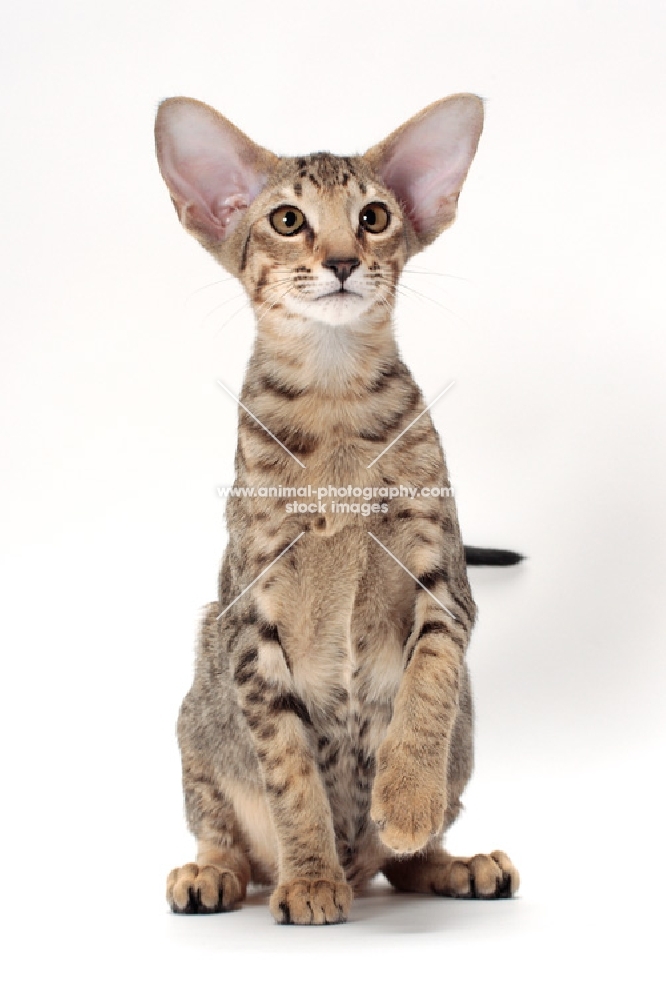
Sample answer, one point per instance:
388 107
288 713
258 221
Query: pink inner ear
427 162
207 166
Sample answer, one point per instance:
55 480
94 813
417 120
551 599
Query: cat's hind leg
215 884
218 881
484 876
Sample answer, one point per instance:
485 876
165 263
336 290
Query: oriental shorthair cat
327 735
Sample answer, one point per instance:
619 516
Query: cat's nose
342 266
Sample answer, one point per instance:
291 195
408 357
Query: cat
327 736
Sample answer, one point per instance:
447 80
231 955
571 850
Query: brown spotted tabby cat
328 733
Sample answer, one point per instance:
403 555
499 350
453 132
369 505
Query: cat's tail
475 556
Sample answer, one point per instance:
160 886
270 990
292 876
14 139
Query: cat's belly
344 740
344 642
346 756
349 786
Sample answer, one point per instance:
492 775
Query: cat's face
326 242
322 238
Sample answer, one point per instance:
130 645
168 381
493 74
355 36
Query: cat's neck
328 360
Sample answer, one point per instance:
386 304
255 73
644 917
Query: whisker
221 305
427 298
438 274
246 305
280 281
213 284
386 302
402 291
423 275
272 304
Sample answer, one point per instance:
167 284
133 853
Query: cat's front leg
409 795
311 887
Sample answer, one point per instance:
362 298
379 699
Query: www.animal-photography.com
333 641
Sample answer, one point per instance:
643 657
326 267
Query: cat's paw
208 889
485 876
311 901
407 804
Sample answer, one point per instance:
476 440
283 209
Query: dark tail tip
475 556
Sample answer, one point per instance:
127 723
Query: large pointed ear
211 168
425 161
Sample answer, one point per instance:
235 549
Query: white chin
334 310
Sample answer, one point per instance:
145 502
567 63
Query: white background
116 436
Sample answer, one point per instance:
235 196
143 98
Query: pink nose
342 266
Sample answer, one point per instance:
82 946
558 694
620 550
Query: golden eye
374 217
287 220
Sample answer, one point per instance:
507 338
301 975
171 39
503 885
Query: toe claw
504 888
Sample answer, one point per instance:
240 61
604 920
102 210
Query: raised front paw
407 803
208 889
311 901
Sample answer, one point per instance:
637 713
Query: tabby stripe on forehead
349 164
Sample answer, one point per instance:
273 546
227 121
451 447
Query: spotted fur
328 732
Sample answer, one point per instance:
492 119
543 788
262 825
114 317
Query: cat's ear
211 168
425 161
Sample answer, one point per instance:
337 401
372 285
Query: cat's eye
287 220
375 217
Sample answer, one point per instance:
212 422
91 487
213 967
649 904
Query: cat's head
320 237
